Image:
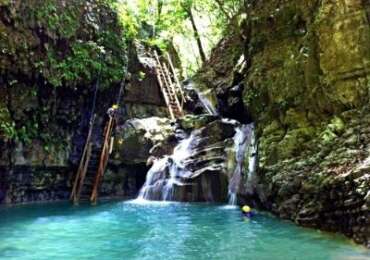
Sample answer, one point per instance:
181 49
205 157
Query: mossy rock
191 122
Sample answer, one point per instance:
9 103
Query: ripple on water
140 229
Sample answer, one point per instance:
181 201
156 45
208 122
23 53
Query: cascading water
177 168
205 98
151 186
198 169
207 104
167 172
252 166
243 139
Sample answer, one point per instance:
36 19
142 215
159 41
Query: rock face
143 97
195 159
138 139
27 184
200 164
304 81
48 65
326 186
52 55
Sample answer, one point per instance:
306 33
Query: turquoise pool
140 230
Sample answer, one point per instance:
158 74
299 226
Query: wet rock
49 56
200 168
191 122
137 138
305 85
143 96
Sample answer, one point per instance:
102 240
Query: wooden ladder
170 87
87 165
83 166
104 157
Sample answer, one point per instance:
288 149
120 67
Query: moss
333 130
64 24
295 119
7 125
54 43
68 44
190 122
337 125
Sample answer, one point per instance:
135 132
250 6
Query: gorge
276 117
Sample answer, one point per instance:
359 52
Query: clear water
159 230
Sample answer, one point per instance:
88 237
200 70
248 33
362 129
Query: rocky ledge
192 159
328 185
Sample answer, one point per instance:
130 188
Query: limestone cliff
298 69
301 69
53 55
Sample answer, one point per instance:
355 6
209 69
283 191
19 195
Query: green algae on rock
305 84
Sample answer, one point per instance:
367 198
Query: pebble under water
160 230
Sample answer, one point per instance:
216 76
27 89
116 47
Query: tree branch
223 10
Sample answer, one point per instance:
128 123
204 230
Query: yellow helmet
115 106
246 209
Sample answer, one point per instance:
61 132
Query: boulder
135 139
200 166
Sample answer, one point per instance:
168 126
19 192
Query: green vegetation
67 44
196 25
72 44
50 44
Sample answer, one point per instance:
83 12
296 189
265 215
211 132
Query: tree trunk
223 10
196 35
159 11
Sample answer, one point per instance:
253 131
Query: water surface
137 230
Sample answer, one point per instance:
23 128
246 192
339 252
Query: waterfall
244 138
233 199
206 102
205 98
181 152
167 172
215 161
252 166
175 177
150 186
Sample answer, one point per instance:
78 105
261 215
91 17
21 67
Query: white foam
141 201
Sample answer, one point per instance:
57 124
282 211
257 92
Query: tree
188 5
199 23
159 10
221 5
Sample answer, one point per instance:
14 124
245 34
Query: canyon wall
54 55
301 71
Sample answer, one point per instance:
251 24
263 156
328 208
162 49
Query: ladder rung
167 81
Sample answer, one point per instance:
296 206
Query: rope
95 95
121 91
94 100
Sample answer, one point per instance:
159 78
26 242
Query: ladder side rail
83 175
162 73
103 160
100 167
172 87
94 193
179 86
78 175
83 159
161 84
104 167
